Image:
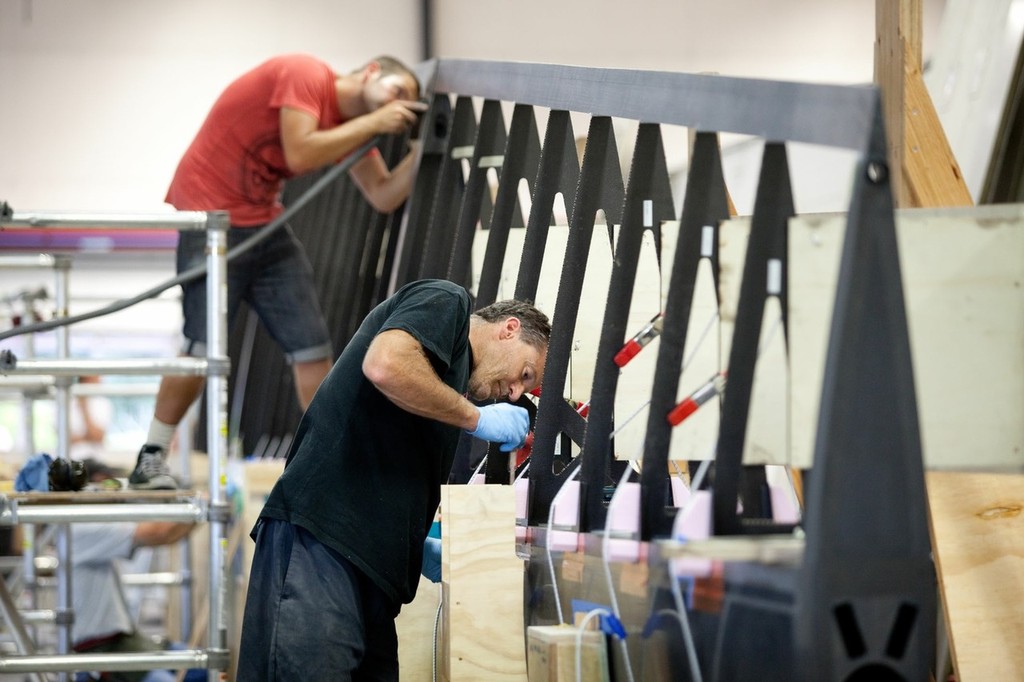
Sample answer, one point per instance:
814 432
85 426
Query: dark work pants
311 615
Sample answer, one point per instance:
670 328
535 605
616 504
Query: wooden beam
929 174
894 21
975 518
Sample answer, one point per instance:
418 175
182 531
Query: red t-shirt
236 162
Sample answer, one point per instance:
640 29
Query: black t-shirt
363 475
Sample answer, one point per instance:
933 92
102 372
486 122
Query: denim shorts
312 615
275 278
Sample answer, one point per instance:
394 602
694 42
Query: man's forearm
396 364
386 189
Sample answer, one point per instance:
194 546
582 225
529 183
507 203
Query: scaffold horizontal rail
32 261
83 513
135 366
178 220
44 384
158 660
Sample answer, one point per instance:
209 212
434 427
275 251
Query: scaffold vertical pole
65 602
217 425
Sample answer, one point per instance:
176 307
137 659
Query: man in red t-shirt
290 115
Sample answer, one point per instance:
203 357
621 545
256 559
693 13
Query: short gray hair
535 327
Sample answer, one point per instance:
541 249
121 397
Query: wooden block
552 654
483 582
978 536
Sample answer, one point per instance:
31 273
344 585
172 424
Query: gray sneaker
151 472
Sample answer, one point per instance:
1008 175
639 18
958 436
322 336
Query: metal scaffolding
62 509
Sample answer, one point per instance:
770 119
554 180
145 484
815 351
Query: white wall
101 97
977 47
804 40
98 98
795 40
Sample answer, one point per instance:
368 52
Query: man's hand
398 116
503 423
431 568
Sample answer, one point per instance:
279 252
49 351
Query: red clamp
641 339
714 386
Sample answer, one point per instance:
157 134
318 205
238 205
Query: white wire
611 585
630 418
686 362
547 542
702 470
483 460
526 467
684 625
698 478
700 340
677 595
680 613
579 639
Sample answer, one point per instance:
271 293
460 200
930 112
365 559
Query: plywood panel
963 271
695 438
483 582
978 526
767 437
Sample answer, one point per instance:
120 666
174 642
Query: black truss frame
865 590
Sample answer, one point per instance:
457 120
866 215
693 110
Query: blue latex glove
35 475
503 423
431 568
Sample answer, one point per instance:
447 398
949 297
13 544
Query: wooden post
976 549
928 172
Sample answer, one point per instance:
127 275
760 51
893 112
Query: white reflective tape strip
648 213
465 152
774 277
491 161
707 241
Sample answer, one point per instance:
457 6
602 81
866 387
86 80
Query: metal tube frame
215 366
88 513
217 429
42 386
65 609
188 658
179 220
139 367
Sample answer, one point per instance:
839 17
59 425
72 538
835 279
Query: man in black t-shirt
340 541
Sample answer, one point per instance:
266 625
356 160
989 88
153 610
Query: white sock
161 434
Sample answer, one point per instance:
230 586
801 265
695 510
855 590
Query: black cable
200 270
242 372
